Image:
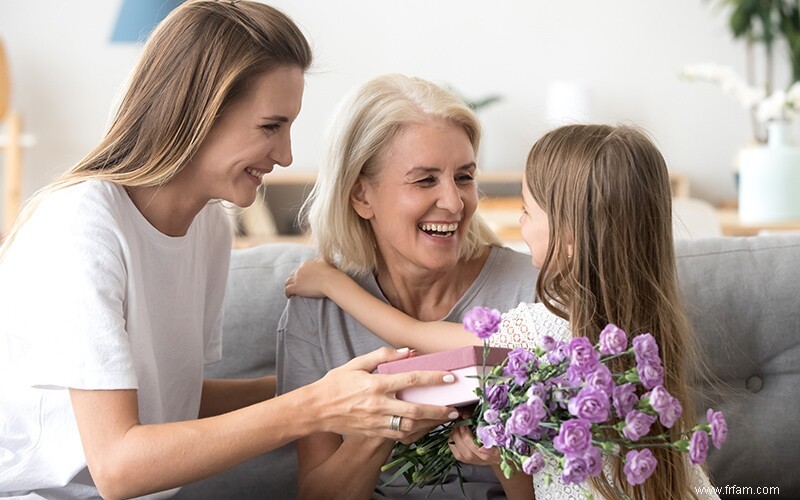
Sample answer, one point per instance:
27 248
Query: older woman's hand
352 400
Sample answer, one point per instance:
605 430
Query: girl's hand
311 279
351 399
462 444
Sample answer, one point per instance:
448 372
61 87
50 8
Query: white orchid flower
773 107
779 105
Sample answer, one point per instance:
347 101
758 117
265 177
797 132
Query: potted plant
768 175
766 23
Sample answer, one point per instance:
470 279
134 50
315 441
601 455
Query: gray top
315 335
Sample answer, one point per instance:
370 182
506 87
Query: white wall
627 53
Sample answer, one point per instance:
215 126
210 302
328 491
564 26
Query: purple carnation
698 447
560 398
594 461
521 447
526 417
601 378
582 355
645 348
519 365
719 428
482 321
671 413
492 435
533 464
574 376
590 404
637 424
536 389
491 416
613 340
575 470
548 343
558 353
659 398
539 434
639 465
650 373
574 437
497 395
625 399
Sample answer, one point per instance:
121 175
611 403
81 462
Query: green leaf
682 445
402 470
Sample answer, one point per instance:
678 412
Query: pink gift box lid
453 359
464 362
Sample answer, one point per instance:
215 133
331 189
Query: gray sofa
743 296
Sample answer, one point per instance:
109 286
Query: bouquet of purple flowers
562 400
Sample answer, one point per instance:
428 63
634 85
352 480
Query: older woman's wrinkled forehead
389 150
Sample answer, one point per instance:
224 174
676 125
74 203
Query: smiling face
248 139
534 227
421 203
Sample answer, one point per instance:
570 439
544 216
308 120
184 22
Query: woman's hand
312 279
351 400
462 444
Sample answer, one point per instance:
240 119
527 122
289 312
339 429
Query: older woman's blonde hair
200 58
362 128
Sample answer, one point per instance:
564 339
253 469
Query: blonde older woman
394 206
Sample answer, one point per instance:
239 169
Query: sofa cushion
743 301
254 302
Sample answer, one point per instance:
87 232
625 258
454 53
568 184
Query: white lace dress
524 326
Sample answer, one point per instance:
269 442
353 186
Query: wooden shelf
733 226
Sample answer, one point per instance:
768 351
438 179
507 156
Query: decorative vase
769 179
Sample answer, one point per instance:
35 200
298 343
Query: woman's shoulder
76 209
95 193
508 257
507 264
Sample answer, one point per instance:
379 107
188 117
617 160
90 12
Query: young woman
111 283
597 220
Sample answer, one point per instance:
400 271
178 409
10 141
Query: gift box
466 363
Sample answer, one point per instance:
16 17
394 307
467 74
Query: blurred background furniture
732 225
12 140
693 218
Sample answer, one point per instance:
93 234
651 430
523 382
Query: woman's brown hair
200 58
607 197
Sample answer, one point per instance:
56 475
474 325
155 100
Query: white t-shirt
94 297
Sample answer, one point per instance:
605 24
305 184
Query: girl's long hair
606 194
200 58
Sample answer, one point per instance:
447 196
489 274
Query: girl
597 220
112 281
